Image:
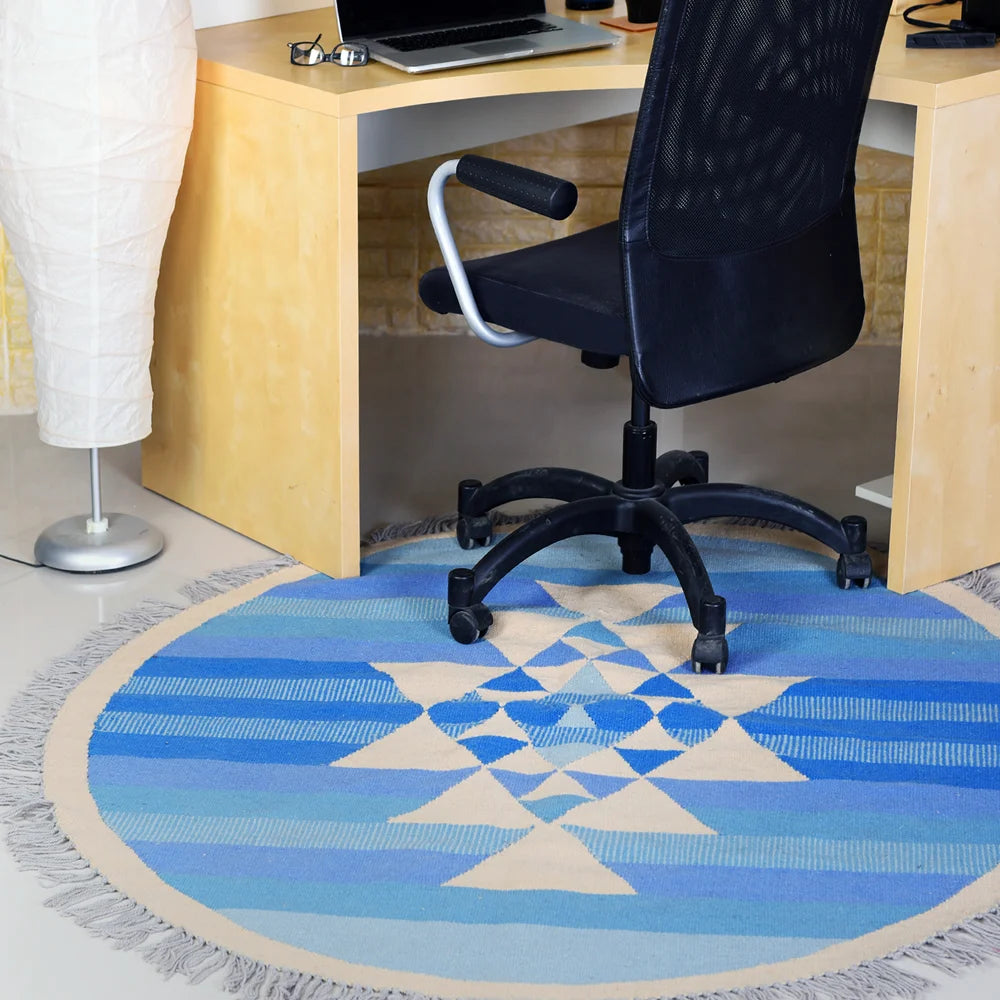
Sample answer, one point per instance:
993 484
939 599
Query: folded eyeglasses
343 54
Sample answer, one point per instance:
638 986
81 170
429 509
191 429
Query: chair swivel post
639 460
638 482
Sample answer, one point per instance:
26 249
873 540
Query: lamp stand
99 543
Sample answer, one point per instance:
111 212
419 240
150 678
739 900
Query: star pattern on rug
573 733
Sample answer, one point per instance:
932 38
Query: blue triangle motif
690 722
560 754
471 696
544 712
587 680
554 806
644 761
463 713
661 686
628 658
670 609
491 748
523 592
577 717
623 715
555 656
516 680
600 785
596 632
516 783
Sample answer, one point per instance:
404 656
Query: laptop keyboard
468 33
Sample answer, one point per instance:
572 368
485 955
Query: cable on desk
22 562
919 22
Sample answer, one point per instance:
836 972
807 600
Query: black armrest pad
530 189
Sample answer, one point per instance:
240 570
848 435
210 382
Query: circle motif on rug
565 809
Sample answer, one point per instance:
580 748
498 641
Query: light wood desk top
253 57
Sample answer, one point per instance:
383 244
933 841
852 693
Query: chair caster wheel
710 652
854 568
473 532
468 625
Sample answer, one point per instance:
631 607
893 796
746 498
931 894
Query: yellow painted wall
397 243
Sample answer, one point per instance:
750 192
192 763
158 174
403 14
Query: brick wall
883 201
397 243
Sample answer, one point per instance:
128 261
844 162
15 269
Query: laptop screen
367 18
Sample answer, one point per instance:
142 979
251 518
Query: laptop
422 35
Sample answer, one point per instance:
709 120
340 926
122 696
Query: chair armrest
456 269
540 193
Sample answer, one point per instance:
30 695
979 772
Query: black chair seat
569 290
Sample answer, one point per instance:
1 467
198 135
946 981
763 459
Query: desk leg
255 364
946 492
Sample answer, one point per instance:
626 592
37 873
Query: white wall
209 13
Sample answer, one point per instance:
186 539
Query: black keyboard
468 33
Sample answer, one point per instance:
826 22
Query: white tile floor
44 613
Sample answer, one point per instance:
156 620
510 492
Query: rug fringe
966 945
877 980
38 844
447 522
984 583
224 580
439 524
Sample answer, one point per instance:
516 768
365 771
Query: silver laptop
422 35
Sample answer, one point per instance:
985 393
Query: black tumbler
589 4
643 11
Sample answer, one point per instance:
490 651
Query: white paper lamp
96 106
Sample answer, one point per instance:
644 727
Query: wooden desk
255 367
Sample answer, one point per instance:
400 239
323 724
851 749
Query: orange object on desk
626 25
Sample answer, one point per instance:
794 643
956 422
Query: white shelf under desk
877 491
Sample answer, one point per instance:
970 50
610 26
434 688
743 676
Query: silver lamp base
73 545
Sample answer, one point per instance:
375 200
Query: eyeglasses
344 54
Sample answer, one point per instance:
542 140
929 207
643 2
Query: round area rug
306 782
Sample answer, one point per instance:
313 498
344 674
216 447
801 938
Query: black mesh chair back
734 263
738 228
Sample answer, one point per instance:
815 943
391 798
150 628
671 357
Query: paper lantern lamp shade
96 106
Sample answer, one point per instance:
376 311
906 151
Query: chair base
641 518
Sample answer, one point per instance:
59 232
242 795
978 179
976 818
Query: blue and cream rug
304 782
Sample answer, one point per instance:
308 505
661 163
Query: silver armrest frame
455 267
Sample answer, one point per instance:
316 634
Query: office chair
734 263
